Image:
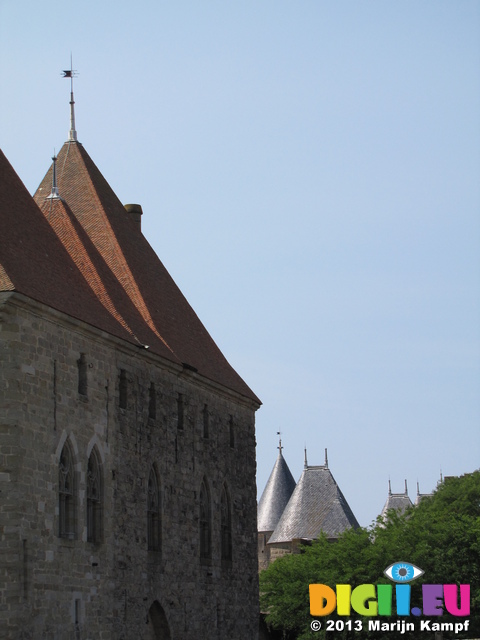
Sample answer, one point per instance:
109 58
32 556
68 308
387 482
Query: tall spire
54 192
70 73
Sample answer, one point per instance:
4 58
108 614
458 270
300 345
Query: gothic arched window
231 430
66 494
206 421
82 375
205 523
153 512
94 498
123 390
152 402
226 526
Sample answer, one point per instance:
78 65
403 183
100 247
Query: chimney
135 212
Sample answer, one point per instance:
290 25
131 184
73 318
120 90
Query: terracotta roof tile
128 278
34 263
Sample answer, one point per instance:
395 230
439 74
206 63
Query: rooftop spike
389 487
306 463
70 73
326 458
279 433
406 490
54 192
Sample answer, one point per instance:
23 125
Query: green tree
441 536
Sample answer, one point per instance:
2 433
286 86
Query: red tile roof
123 272
34 262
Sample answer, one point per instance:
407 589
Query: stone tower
127 441
315 506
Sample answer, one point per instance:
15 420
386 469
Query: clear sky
309 175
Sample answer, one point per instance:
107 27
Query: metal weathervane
71 73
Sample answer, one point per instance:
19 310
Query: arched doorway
158 628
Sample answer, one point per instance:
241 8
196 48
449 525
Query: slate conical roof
123 272
316 505
276 495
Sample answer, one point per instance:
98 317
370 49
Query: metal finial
54 193
406 490
418 489
326 458
389 487
71 73
279 433
306 463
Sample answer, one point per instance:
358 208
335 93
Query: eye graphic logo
403 572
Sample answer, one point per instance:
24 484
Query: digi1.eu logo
377 600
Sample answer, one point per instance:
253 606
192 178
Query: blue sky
309 174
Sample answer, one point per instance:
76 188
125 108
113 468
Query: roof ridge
114 258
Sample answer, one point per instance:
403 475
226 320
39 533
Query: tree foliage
441 536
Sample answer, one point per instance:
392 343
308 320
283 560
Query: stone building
127 441
315 505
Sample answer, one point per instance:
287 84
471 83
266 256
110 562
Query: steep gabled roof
399 502
276 495
124 272
33 262
421 496
316 505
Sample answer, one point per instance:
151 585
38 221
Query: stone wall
263 549
67 587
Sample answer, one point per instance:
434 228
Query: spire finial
326 458
71 73
406 490
389 487
418 488
306 463
54 192
279 433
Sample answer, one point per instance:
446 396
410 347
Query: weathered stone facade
127 441
63 588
